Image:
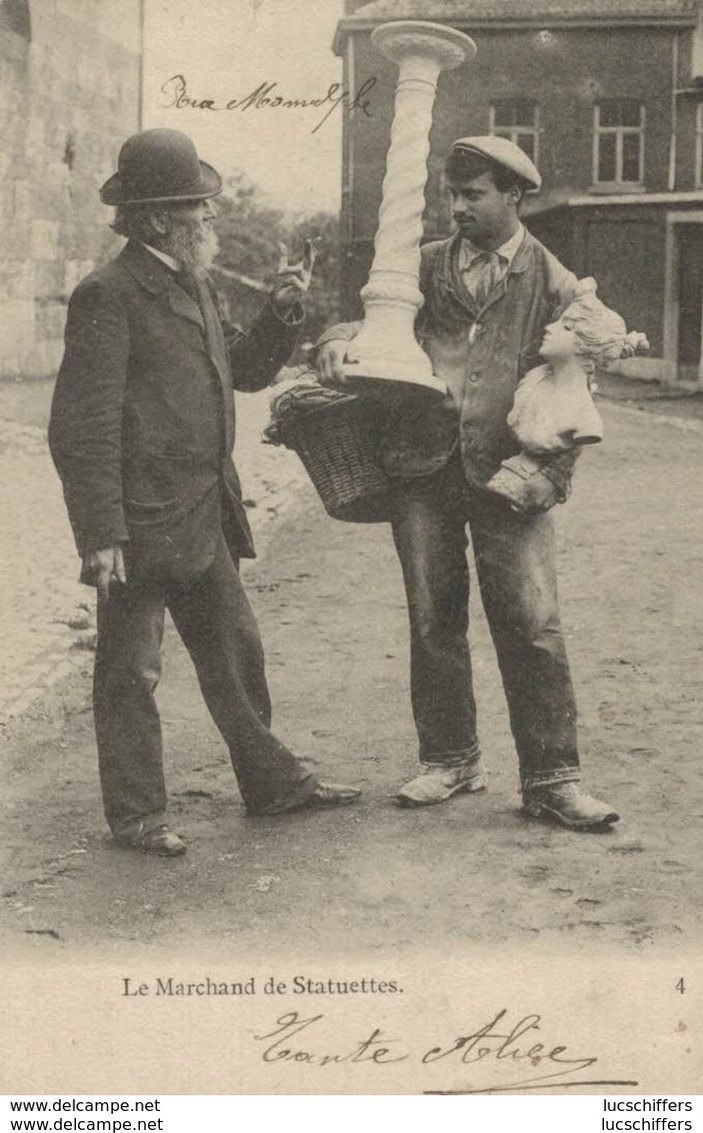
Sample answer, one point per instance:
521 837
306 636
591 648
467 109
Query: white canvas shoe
436 783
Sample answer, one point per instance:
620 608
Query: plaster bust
553 411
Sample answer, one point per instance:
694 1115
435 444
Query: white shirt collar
508 250
164 257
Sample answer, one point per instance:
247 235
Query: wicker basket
337 445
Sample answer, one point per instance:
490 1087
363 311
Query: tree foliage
250 232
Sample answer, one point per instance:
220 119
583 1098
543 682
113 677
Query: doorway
690 295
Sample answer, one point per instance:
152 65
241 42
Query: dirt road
331 609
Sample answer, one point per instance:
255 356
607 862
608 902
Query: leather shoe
332 794
568 805
324 795
436 783
160 840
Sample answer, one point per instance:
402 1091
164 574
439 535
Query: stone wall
69 95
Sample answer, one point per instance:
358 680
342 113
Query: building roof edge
591 200
351 24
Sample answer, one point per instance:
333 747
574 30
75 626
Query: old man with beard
141 432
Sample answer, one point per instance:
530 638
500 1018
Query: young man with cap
489 292
141 432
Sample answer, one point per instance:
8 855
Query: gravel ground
331 609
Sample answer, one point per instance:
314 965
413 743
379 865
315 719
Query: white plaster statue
385 353
553 411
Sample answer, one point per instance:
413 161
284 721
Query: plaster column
385 350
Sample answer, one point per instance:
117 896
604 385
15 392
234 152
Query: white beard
193 245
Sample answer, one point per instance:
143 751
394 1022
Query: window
518 120
618 137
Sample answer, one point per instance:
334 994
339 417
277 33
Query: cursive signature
376 1048
267 97
296 1039
498 1041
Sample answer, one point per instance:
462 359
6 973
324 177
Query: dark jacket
482 352
142 421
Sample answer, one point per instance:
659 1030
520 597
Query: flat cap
504 152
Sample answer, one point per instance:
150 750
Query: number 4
680 986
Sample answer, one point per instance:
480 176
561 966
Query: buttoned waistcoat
143 417
483 352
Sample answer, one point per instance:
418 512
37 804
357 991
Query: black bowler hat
160 166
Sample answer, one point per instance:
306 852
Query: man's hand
535 494
329 362
101 567
292 280
526 488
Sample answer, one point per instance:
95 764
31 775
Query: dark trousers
217 626
515 567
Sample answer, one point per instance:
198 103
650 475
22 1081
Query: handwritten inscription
509 1043
266 96
283 1045
296 1038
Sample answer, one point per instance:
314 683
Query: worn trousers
217 626
516 571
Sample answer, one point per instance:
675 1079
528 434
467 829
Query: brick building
607 97
70 81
